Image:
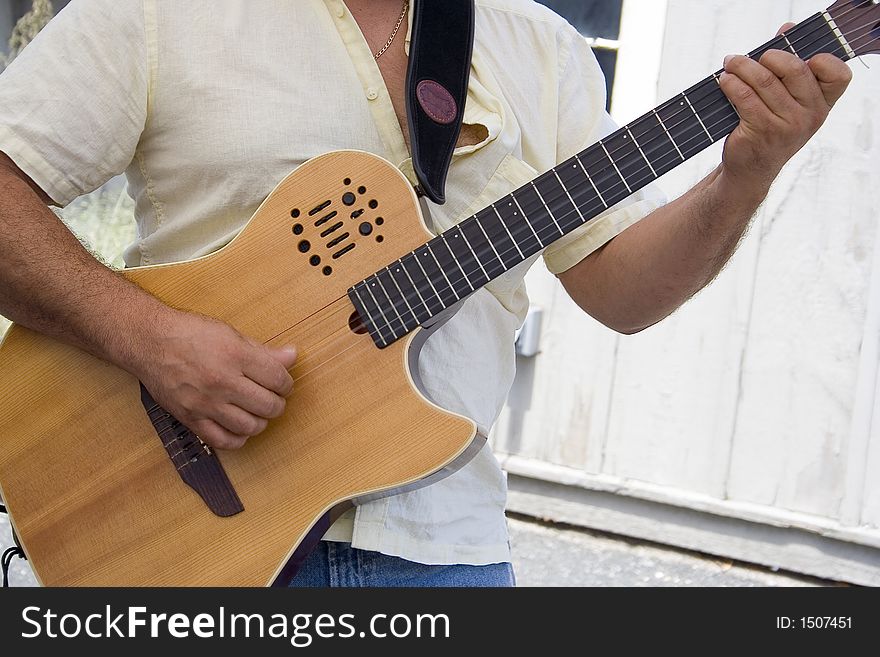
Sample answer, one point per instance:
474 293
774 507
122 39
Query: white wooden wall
759 400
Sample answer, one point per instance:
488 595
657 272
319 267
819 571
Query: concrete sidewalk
552 555
545 555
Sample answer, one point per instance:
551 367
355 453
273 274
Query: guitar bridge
195 462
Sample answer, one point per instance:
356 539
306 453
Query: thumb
785 28
285 355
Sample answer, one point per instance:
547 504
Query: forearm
651 269
51 284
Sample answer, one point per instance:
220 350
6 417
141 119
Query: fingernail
727 60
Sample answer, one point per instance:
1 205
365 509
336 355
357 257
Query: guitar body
95 496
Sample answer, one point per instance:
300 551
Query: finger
833 75
238 421
257 400
764 83
216 436
262 366
746 101
796 76
285 355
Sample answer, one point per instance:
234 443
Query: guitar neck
413 290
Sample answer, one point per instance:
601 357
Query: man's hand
223 386
782 102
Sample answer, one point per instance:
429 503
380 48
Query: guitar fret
489 242
568 194
687 133
668 134
440 267
379 308
647 161
516 246
775 44
525 217
403 294
614 164
428 277
549 211
632 164
698 116
443 240
369 316
465 256
499 237
476 258
401 309
415 287
590 178
397 316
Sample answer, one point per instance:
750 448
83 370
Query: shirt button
372 94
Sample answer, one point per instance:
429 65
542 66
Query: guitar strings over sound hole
356 324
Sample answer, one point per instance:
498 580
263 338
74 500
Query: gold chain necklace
396 28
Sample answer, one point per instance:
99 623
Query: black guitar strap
441 44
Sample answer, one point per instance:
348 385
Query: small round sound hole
356 324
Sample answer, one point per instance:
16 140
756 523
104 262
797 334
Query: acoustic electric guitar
104 487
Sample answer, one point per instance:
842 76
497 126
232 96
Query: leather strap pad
441 45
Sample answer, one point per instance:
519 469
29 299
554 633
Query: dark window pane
592 18
608 62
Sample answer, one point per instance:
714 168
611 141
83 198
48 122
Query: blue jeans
333 564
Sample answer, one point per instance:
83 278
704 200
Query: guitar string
323 343
331 340
483 254
398 317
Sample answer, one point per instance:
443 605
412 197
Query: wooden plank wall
748 394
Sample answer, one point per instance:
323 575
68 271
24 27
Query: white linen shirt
206 105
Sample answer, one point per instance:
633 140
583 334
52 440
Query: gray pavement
545 555
551 555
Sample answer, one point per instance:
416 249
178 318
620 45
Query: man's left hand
782 101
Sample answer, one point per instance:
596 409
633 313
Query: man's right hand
223 386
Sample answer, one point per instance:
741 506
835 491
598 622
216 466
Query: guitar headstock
859 22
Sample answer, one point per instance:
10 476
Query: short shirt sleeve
73 104
581 87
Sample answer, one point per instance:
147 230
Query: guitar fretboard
413 290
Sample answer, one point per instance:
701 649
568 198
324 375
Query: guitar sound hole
356 324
